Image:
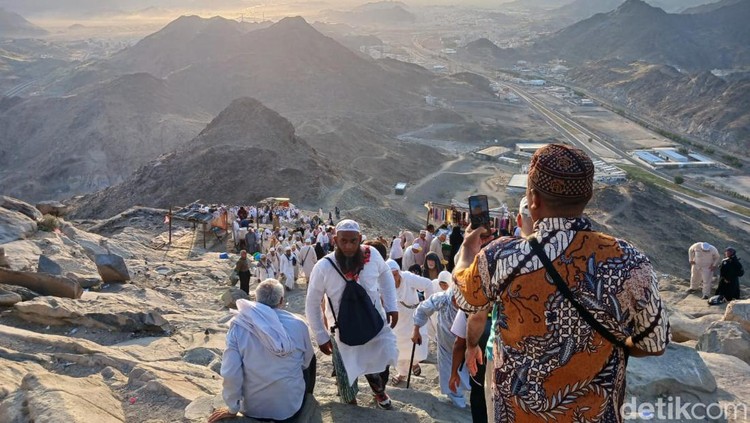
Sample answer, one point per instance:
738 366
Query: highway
600 148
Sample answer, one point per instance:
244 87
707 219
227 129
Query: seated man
269 362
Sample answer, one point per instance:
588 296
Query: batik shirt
552 366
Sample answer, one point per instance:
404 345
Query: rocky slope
13 25
247 153
150 350
701 104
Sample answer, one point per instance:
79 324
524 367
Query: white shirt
377 279
260 383
459 325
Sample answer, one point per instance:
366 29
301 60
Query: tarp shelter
458 213
197 213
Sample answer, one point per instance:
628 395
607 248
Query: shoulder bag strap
565 291
335 320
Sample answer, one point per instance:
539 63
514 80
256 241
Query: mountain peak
638 7
247 117
293 22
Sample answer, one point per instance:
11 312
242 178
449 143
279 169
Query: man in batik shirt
550 364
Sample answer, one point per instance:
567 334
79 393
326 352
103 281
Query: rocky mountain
699 103
710 7
583 9
247 153
54 147
13 25
382 13
638 31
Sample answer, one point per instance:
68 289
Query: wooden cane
411 363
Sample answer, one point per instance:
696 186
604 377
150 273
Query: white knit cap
347 225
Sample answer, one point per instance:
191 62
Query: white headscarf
262 321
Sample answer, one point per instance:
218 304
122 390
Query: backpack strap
565 291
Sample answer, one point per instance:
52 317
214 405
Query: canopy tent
215 216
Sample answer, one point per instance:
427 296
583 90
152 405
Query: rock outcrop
112 268
58 286
726 338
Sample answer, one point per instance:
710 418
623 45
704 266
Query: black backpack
358 320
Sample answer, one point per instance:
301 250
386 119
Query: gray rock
739 311
85 281
8 299
112 268
15 226
25 293
680 371
215 366
230 297
19 206
55 208
200 356
726 338
42 283
123 313
49 266
107 373
688 328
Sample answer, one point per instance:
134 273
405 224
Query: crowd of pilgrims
420 261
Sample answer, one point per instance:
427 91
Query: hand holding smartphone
479 211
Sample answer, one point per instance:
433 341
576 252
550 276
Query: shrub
49 223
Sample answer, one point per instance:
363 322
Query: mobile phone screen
479 211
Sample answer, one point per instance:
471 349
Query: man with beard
365 266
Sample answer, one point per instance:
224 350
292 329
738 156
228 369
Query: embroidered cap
562 171
347 225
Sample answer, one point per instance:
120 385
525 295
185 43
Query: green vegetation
49 223
678 179
637 174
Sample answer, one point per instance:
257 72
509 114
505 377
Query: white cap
392 264
308 241
445 276
288 248
523 207
347 225
416 247
272 250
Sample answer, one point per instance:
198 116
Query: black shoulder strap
335 320
565 290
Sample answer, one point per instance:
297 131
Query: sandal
396 379
416 370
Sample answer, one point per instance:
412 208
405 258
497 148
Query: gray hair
269 292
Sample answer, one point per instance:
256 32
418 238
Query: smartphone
479 211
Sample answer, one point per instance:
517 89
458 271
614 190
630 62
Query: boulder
25 293
230 297
680 371
19 206
739 311
732 378
687 328
48 397
201 356
22 255
85 281
8 299
726 338
112 268
114 312
49 266
44 284
15 226
55 208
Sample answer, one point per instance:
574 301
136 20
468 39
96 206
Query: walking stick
411 363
